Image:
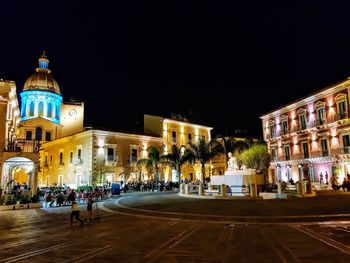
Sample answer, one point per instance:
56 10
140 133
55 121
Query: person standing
321 179
326 177
75 213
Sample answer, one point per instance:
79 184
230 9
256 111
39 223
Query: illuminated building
45 143
43 117
179 131
94 157
310 136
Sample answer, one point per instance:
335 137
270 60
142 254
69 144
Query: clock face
72 113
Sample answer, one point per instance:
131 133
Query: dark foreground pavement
131 235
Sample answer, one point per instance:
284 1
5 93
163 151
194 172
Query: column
34 183
45 108
36 108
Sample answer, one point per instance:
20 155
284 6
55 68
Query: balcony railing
345 150
22 145
341 116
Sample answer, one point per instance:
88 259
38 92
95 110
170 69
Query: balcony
307 155
112 161
281 158
22 145
284 132
133 159
341 116
78 162
345 150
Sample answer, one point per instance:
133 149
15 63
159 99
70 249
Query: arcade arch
17 170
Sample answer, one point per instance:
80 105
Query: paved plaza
163 227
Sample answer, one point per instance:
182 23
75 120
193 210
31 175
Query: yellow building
179 131
95 157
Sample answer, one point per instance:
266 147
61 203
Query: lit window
49 110
28 135
173 137
61 158
47 136
110 154
189 138
302 121
324 147
287 153
38 134
31 109
133 155
41 109
285 126
306 150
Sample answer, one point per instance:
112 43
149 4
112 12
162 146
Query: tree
203 152
230 144
175 159
256 157
152 161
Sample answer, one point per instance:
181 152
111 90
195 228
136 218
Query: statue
232 163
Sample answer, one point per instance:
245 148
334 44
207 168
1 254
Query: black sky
223 65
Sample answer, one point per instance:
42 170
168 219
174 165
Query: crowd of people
150 186
345 185
66 196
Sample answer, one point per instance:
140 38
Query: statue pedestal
238 180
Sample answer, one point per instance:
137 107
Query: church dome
42 79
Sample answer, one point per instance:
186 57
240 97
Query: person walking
75 213
89 207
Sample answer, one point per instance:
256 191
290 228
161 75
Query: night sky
222 65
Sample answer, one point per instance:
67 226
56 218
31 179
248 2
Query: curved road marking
117 203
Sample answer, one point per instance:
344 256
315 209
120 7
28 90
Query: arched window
31 109
23 109
38 133
57 112
41 109
49 110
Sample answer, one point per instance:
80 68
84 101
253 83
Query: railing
341 116
78 162
312 155
345 150
112 162
22 145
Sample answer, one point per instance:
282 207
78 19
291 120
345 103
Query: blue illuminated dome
41 96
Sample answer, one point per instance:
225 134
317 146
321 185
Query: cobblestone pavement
138 235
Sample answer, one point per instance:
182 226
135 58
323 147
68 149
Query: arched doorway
17 172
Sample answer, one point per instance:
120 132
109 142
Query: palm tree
152 161
230 144
203 152
176 158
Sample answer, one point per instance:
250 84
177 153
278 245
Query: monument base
238 181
